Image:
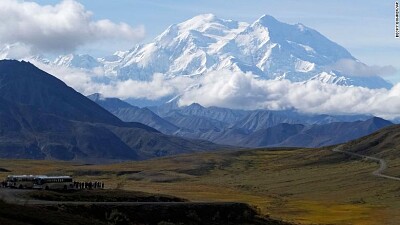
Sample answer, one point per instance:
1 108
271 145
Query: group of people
3 184
89 185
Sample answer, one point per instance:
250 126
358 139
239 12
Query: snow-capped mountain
83 61
267 48
188 48
335 77
21 52
10 51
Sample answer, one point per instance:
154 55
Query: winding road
382 163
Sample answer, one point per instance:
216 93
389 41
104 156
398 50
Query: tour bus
20 181
53 182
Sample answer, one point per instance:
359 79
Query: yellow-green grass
307 186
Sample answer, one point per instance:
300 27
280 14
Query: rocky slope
42 118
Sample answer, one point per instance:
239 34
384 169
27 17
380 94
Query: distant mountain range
267 48
42 118
127 112
258 128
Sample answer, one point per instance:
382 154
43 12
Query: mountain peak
199 21
205 17
9 66
265 19
380 121
301 27
270 21
109 103
83 61
210 24
196 106
23 83
96 97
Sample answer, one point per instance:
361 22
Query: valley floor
306 186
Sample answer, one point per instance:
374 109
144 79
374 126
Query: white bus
53 182
20 181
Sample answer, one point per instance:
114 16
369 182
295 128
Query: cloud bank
356 68
245 91
62 27
94 81
238 90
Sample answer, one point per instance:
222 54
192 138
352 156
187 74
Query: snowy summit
268 48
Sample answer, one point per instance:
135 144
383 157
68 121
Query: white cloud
244 91
62 27
355 68
94 81
239 90
154 89
14 51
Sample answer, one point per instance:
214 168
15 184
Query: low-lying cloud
62 27
356 68
94 81
240 90
244 91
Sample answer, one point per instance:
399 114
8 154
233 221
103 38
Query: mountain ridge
43 118
257 128
268 48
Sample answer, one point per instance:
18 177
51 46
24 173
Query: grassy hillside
307 186
383 144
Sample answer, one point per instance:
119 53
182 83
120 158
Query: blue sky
364 27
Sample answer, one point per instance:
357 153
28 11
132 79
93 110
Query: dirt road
379 171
